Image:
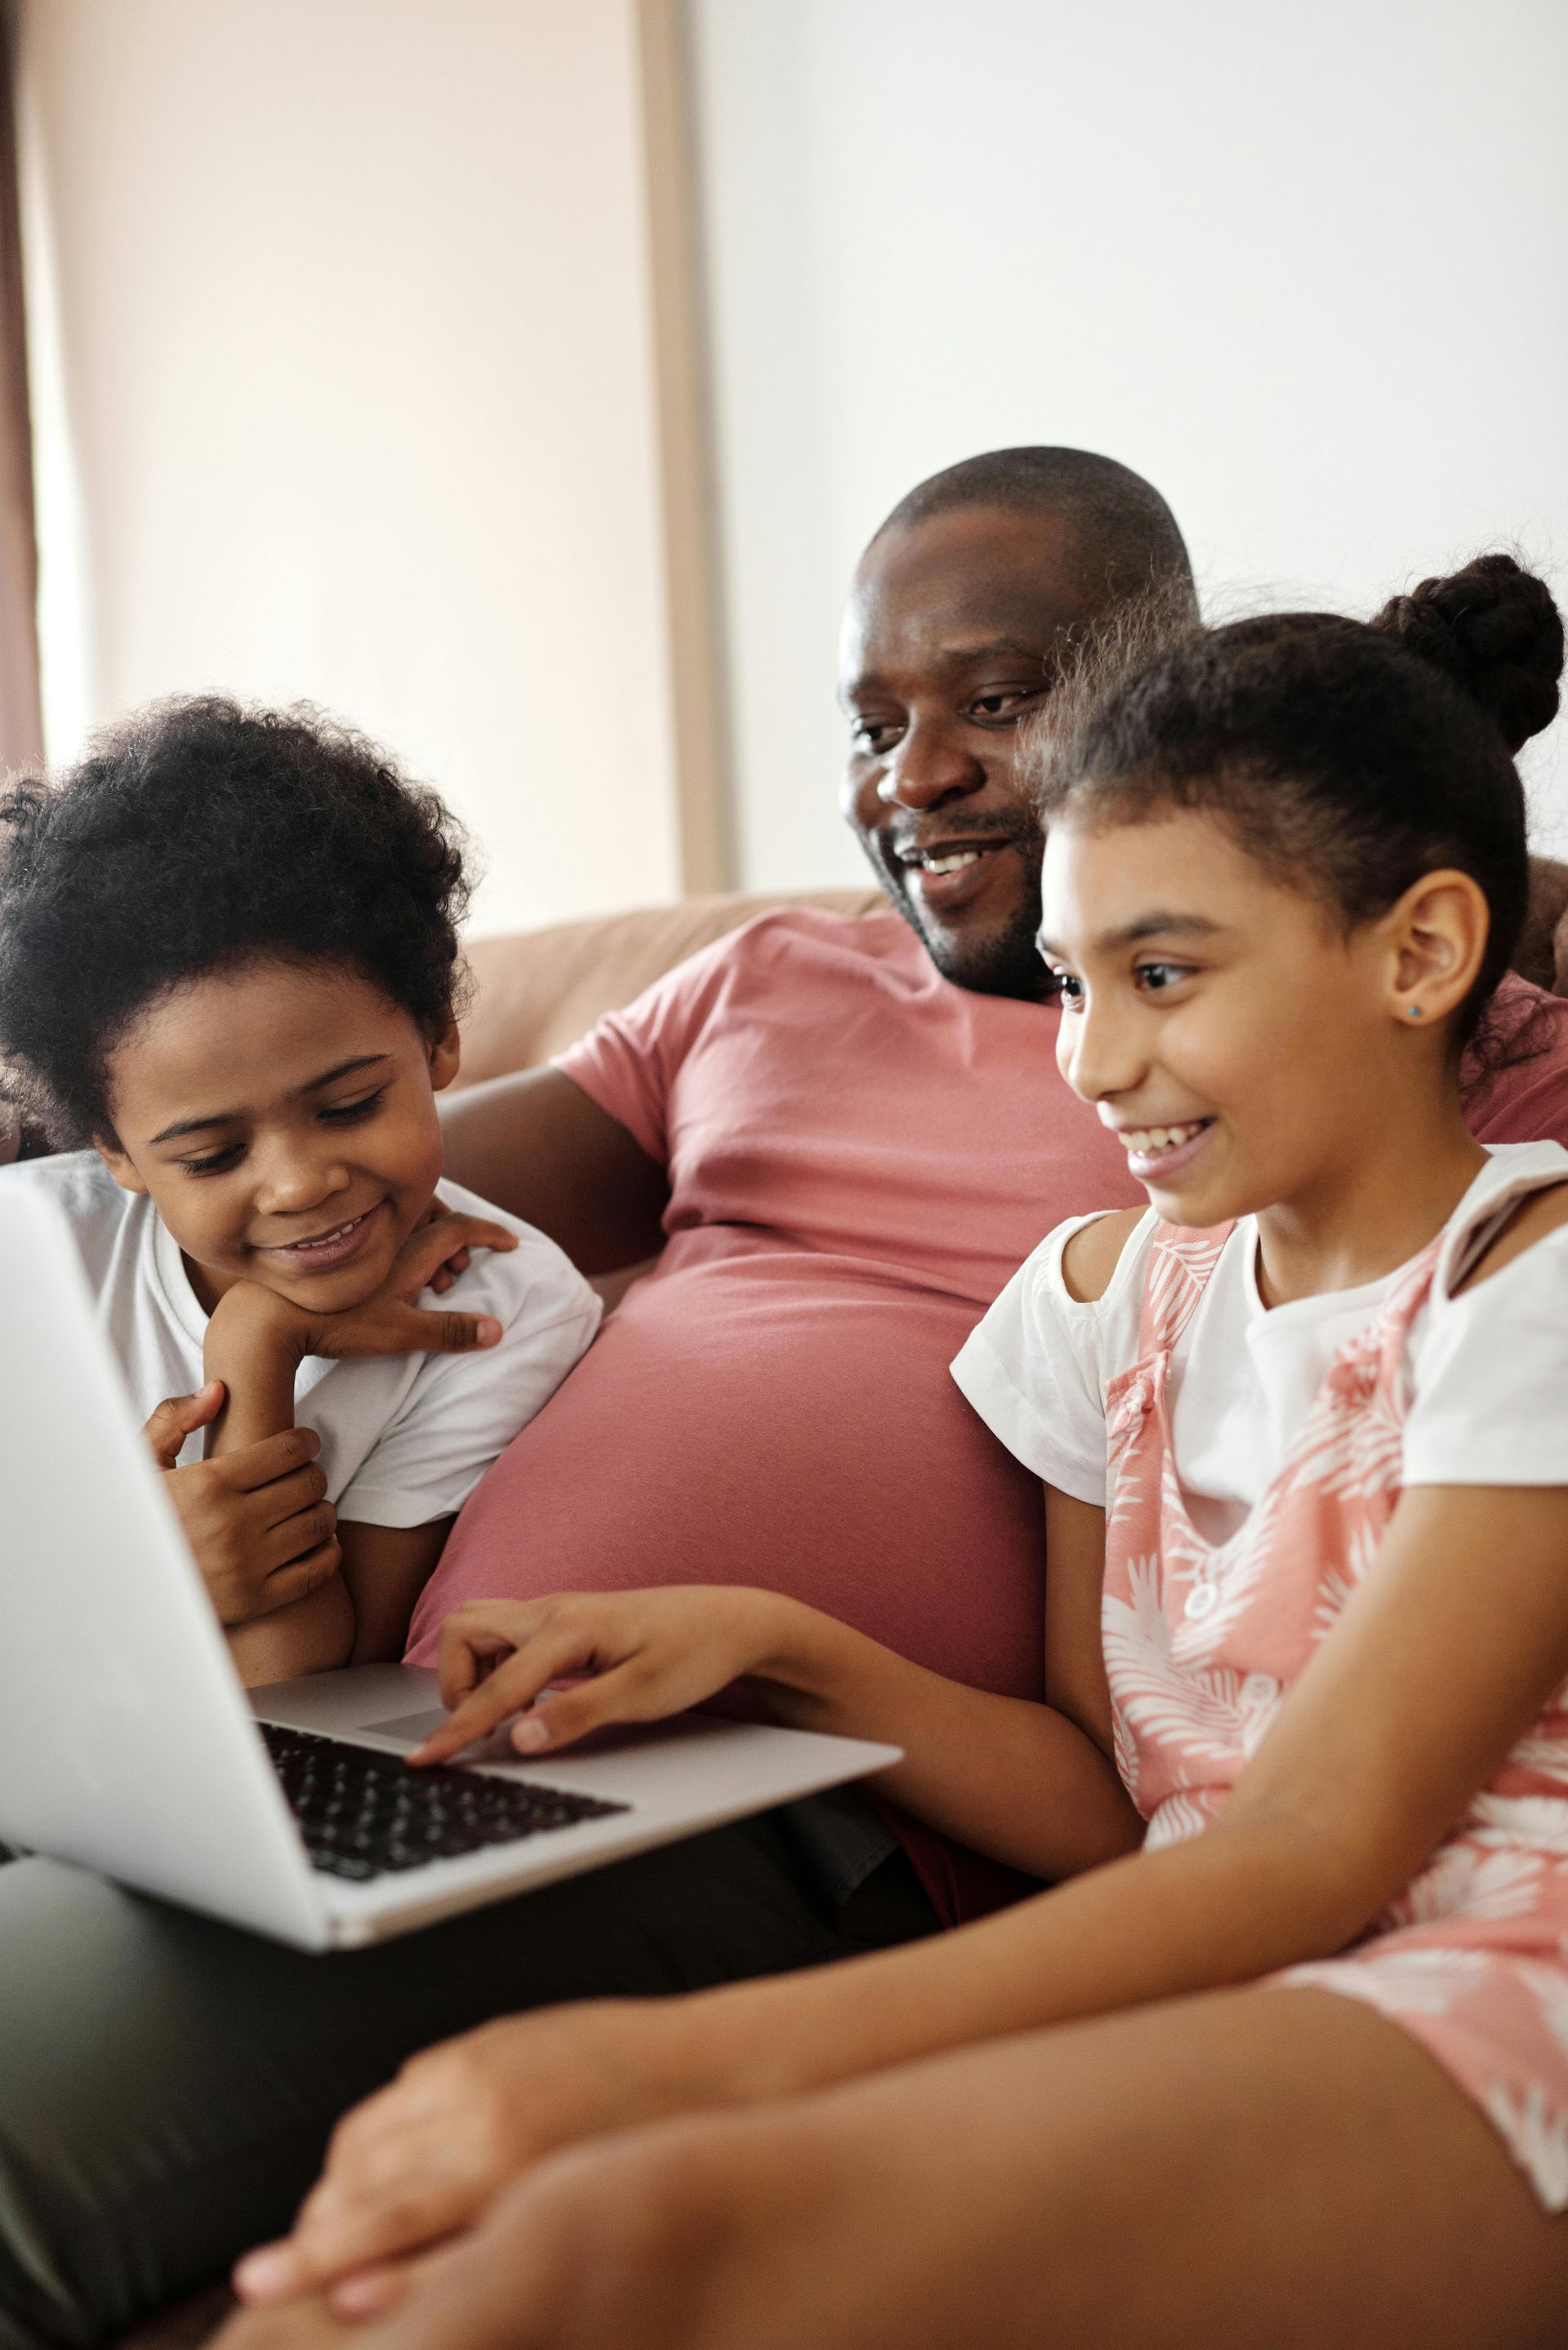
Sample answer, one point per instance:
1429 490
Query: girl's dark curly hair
197 837
1348 757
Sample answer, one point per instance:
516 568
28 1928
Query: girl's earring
1415 1011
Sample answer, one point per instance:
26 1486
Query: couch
536 992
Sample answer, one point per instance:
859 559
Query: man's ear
444 1046
1436 939
118 1165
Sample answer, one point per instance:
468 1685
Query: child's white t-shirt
404 1438
1489 1369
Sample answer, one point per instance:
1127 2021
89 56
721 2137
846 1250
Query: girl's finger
625 1694
347 2242
370 2291
473 1636
510 1688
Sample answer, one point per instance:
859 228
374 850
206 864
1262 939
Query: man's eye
215 1160
1005 703
345 1113
874 735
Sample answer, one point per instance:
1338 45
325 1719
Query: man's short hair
1128 536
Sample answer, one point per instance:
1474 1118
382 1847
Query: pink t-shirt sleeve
628 1061
1527 1100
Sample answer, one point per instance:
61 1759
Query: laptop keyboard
363 1814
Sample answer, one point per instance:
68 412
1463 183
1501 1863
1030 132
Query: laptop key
363 1814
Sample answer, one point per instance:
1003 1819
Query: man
852 1133
853 1130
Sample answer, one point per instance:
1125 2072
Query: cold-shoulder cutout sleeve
1529 1222
1091 1253
1489 1376
1034 1366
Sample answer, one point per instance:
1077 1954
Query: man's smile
946 869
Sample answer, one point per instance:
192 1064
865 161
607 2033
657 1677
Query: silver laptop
128 1745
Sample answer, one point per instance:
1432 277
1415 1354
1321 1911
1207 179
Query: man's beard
1002 961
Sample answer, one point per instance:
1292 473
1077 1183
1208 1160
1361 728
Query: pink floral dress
1202 1643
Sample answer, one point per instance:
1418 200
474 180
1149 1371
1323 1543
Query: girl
229 968
1294 2070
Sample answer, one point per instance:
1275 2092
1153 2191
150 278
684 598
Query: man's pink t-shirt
861 1155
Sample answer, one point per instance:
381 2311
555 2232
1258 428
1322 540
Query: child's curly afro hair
197 837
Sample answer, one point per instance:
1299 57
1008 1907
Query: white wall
344 392
1302 263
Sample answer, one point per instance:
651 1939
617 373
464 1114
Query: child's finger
177 1417
456 1334
446 1236
263 1463
480 1231
302 1575
278 1503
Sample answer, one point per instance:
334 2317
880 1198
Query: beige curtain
21 730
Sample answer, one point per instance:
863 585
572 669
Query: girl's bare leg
1254 2170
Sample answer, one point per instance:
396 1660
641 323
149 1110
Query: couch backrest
538 992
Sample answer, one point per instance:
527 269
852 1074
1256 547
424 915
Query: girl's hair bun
1494 629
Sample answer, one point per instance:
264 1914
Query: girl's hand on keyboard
633 1655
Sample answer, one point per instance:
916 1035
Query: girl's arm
1031 1785
1442 1658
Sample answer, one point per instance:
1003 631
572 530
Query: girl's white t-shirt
404 1438
1489 1369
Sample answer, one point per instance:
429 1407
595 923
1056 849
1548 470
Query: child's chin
335 1291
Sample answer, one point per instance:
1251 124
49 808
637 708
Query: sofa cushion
537 993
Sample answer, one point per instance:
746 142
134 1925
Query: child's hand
445 1274
389 1322
257 1520
649 1653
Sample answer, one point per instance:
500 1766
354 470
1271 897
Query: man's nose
928 767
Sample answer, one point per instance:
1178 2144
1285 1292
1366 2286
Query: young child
228 969
1304 1432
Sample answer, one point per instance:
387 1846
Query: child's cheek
422 1162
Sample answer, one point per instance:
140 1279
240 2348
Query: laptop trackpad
408 1729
